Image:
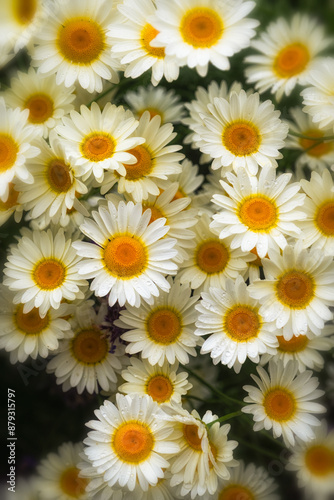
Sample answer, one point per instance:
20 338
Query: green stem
225 417
319 139
258 448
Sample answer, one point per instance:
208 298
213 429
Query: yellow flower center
291 60
295 289
59 176
24 10
164 326
8 152
71 484
89 346
324 219
201 27
212 256
49 274
160 388
98 146
133 442
242 323
241 138
30 323
40 107
153 111
295 344
179 194
315 148
81 41
11 200
155 212
125 257
258 213
148 33
320 460
190 434
143 165
235 492
279 404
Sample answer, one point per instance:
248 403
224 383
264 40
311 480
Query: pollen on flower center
133 442
242 323
325 218
30 323
291 60
98 146
201 27
125 257
71 484
241 138
143 165
295 289
89 346
295 344
11 200
8 152
279 404
258 213
81 41
164 326
40 108
320 460
190 433
159 388
235 492
148 34
59 176
49 274
24 10
212 257
313 147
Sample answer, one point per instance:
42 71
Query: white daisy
236 327
46 101
130 257
16 138
156 100
297 290
43 270
74 44
155 159
284 402
288 50
202 31
58 475
258 213
129 442
162 383
11 205
242 132
98 140
132 37
163 330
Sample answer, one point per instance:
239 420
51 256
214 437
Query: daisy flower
88 360
162 383
318 99
11 205
314 463
258 213
164 329
316 153
156 100
188 179
297 290
130 441
132 38
16 137
43 270
283 401
236 327
155 160
129 257
98 140
247 482
202 31
27 334
318 228
58 475
47 102
56 186
304 349
211 260
74 44
288 49
242 132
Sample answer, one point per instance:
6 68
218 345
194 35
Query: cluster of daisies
131 268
